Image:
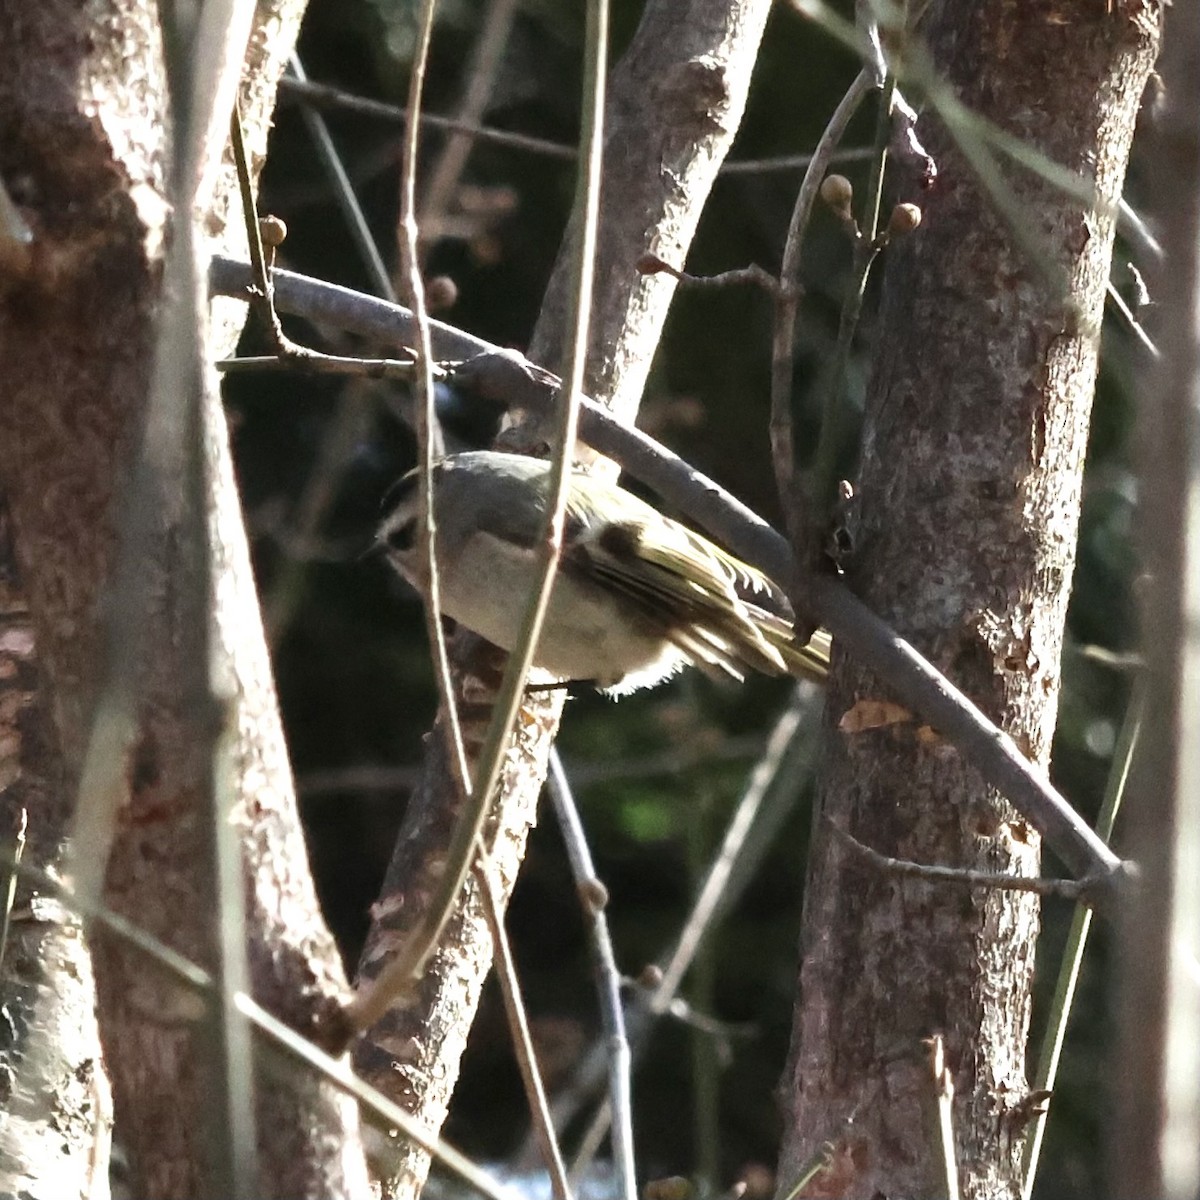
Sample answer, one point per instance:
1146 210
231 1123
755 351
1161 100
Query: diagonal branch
506 378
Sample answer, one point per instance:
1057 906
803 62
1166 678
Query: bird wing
673 577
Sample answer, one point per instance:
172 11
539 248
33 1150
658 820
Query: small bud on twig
272 230
651 264
441 292
593 894
904 219
673 1187
838 192
650 977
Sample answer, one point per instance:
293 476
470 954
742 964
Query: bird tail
808 661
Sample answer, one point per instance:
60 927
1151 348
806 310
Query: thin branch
608 983
1132 225
270 1029
793 162
1154 1143
787 304
369 1004
429 443
403 370
10 886
1069 888
387 1113
943 1090
234 1114
767 799
518 1025
689 756
1050 1051
506 378
348 424
321 95
480 74
790 745
343 189
1131 322
820 478
822 1161
754 275
326 96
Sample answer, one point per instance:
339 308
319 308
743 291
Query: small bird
636 597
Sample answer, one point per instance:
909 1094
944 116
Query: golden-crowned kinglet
637 595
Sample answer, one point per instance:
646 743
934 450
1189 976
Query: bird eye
401 538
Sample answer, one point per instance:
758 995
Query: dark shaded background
316 456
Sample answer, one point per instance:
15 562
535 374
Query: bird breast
585 636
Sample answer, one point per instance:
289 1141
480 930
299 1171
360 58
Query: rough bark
83 113
977 419
674 105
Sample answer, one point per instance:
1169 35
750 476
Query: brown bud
441 292
593 894
272 230
650 976
838 192
673 1187
904 219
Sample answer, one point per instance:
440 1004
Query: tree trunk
674 105
83 122
977 419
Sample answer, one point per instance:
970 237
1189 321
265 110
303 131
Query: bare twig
1046 1071
943 1090
650 264
429 442
1069 888
352 212
518 1025
270 1029
1132 225
369 1004
783 442
612 1013
1154 1147
768 797
372 1001
820 1163
1129 319
326 96
507 378
480 74
347 425
368 777
321 95
792 162
314 363
821 478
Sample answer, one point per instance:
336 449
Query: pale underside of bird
636 595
